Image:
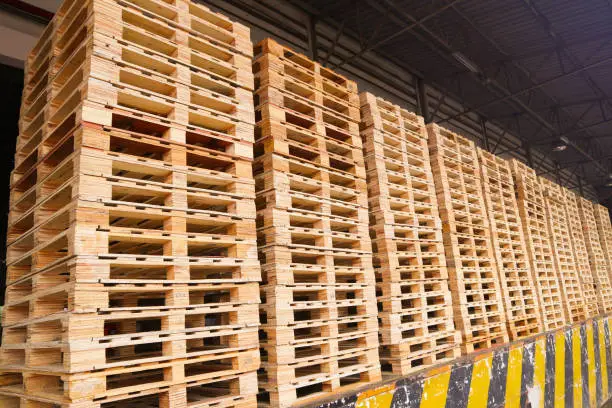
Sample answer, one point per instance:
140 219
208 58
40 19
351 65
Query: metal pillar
311 28
485 135
527 147
422 100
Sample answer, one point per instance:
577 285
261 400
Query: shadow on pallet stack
415 307
319 327
132 263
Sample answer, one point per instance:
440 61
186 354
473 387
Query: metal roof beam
547 26
446 51
399 17
554 48
553 107
27 10
404 29
529 89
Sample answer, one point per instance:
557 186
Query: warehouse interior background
524 78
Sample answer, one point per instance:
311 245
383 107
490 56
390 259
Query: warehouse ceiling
537 68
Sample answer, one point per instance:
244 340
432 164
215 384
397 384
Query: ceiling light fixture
466 62
560 145
609 181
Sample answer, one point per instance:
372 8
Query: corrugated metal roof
515 43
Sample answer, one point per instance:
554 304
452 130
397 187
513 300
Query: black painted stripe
459 386
528 370
549 377
569 370
584 363
499 372
608 354
408 393
598 380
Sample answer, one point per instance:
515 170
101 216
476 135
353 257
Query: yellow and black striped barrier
571 367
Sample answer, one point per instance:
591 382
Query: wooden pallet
530 200
563 254
472 269
326 80
597 258
132 271
224 391
519 291
186 15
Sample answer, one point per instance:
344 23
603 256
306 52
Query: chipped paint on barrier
571 367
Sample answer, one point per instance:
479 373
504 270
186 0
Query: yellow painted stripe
380 397
539 372
434 390
576 362
604 363
479 387
513 380
560 370
591 355
609 340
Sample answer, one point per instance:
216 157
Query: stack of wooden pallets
416 314
598 261
591 294
518 288
318 312
563 254
604 228
597 257
132 262
532 209
477 297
